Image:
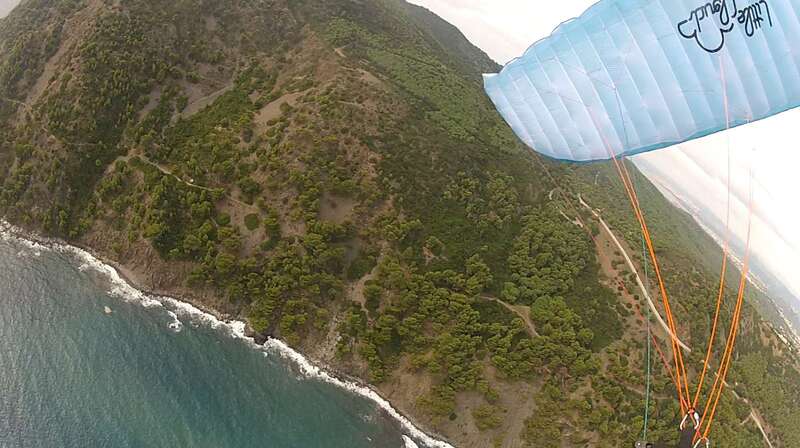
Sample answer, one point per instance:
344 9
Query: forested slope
332 172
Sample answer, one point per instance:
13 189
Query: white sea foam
29 253
176 325
408 442
237 329
312 371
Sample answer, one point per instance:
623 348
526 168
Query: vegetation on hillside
333 172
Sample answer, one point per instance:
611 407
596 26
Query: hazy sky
696 171
6 6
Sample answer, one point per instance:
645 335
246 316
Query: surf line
236 329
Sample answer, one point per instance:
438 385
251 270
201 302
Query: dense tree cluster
347 176
546 258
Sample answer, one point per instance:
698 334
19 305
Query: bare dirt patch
152 102
336 209
522 311
237 211
516 401
355 291
74 31
197 102
370 78
273 110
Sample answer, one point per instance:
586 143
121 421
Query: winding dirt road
639 282
754 416
523 312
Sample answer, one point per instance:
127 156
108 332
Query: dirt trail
753 413
272 110
200 103
168 172
17 102
639 282
755 417
522 311
32 113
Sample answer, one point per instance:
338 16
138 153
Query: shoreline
126 286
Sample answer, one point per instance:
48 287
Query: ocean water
155 372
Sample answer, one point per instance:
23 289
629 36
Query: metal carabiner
694 416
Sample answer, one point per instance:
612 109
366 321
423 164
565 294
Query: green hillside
333 172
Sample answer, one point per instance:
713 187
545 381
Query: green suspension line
648 337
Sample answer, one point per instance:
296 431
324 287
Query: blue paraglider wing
629 76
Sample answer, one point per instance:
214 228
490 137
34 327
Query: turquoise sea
85 361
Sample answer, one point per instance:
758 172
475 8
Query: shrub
252 221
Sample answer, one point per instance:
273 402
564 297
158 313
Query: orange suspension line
719 383
680 370
714 326
682 387
720 295
670 321
664 360
683 373
683 395
660 353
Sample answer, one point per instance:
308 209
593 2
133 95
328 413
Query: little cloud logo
709 23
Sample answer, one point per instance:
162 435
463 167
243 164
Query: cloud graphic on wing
707 25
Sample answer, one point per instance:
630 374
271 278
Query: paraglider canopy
630 76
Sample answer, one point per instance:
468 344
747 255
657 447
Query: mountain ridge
333 172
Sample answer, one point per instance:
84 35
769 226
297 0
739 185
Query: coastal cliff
332 173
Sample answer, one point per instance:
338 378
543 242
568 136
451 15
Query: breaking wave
177 309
